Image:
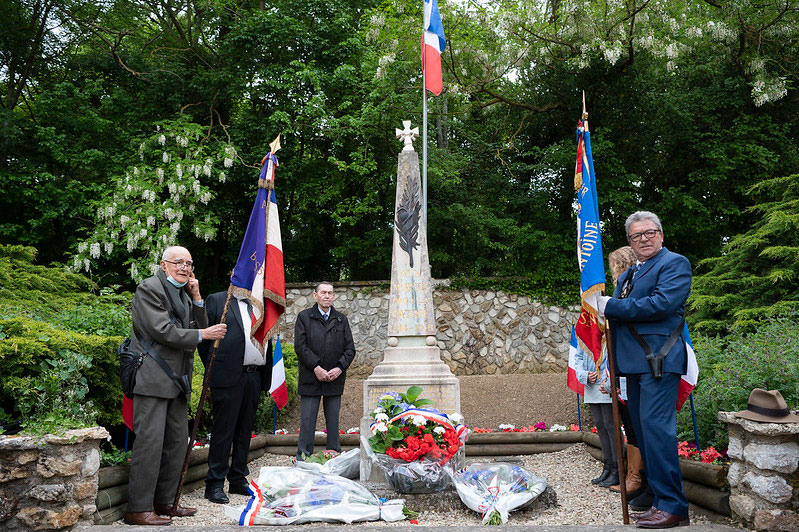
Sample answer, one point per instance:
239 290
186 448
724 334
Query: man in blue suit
646 320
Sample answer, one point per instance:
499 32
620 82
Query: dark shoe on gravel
238 489
217 495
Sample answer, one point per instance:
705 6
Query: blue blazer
655 307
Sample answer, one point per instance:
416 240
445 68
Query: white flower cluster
94 250
179 170
165 157
82 247
150 221
222 177
766 90
379 427
382 65
148 195
721 32
557 428
419 421
109 247
161 139
508 426
182 141
230 154
439 430
207 167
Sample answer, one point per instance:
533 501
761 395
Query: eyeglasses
181 264
649 234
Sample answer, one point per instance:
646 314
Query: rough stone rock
735 449
9 474
91 463
84 490
27 457
755 427
735 473
49 466
783 457
44 519
49 492
743 506
776 521
771 488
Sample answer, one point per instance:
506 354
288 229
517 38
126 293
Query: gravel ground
568 472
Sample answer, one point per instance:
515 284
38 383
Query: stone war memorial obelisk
412 356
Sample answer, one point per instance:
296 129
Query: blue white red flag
589 331
259 273
433 44
278 389
688 381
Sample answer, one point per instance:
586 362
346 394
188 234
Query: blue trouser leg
653 409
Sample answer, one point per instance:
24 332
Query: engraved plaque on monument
412 356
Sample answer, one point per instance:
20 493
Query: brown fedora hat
767 407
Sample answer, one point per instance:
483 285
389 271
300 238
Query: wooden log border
705 484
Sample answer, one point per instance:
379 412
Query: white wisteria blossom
94 250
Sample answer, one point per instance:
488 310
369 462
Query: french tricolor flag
688 381
259 273
433 44
277 389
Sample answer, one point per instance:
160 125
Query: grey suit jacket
175 340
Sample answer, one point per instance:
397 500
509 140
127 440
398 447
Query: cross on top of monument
407 135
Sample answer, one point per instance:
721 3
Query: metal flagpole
424 139
693 416
579 419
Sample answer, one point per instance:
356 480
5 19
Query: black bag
129 362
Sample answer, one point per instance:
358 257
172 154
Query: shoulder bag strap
672 339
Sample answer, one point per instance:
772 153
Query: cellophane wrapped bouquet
346 464
413 442
293 495
496 489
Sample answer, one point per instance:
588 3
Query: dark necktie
325 316
629 284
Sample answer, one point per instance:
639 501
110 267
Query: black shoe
239 489
603 475
612 479
643 502
216 494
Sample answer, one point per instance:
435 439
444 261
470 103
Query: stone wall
49 483
479 332
764 473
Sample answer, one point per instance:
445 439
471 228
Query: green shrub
26 346
730 367
549 287
56 397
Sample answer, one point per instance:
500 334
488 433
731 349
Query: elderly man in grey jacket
324 346
169 320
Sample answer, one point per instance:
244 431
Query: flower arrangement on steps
413 442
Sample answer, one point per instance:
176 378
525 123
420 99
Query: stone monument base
402 367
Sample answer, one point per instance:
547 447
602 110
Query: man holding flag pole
588 337
258 287
647 318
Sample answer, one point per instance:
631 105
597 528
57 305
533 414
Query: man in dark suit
324 346
239 374
169 319
646 316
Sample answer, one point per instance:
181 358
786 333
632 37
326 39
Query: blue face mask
174 282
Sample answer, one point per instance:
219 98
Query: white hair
167 254
642 216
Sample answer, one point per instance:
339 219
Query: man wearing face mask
169 320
